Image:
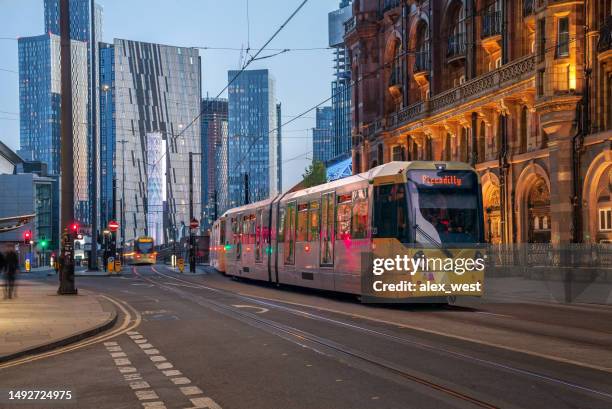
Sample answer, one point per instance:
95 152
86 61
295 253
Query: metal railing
491 24
456 45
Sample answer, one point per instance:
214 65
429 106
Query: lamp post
192 222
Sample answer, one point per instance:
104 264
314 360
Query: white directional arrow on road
260 310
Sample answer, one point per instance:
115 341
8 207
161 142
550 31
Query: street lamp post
192 260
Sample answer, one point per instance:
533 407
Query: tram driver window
390 212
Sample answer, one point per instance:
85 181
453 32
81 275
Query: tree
315 174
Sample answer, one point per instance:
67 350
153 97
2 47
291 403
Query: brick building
521 89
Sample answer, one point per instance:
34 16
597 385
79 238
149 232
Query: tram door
327 229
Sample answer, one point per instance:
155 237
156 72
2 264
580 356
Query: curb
71 339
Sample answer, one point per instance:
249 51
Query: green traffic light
43 243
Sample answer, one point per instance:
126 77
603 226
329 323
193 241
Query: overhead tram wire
282 26
355 82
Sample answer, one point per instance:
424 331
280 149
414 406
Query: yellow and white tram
326 236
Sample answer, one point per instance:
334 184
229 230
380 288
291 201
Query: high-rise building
83 29
279 149
214 132
323 135
154 93
341 85
108 174
39 110
252 137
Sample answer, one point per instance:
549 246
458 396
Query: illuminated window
563 37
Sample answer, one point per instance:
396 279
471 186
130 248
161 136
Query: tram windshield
445 206
143 246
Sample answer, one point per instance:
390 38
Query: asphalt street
206 341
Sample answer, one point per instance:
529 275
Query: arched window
422 60
457 32
396 65
523 135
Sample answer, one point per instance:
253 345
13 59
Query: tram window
313 220
222 232
281 225
390 212
327 229
360 214
343 217
302 225
289 248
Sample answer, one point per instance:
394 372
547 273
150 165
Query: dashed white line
154 405
180 381
164 365
127 369
118 354
146 395
152 351
172 372
141 341
122 361
157 358
145 346
190 390
204 403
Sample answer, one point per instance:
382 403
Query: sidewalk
39 319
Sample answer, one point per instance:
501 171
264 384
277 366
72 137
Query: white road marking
136 336
113 349
260 310
127 369
164 365
139 385
157 358
146 395
153 405
110 344
122 361
190 390
172 372
140 341
180 381
133 333
204 403
132 376
152 351
118 354
145 346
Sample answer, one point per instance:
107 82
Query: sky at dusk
302 77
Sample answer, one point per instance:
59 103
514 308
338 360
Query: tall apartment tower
83 29
39 110
341 85
213 134
279 147
323 135
155 91
252 137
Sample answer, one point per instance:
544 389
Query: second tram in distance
326 236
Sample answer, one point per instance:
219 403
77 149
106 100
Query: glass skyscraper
214 163
107 133
323 135
252 136
39 110
152 99
341 85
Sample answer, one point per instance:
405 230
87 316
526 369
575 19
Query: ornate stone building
521 89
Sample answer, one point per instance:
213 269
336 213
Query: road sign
181 264
194 224
113 226
117 266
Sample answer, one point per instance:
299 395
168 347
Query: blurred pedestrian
11 263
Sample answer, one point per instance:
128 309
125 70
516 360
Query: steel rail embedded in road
303 335
274 304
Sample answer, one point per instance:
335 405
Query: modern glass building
39 110
214 132
323 135
106 120
341 85
279 147
153 91
252 136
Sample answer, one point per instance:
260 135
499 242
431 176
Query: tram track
302 338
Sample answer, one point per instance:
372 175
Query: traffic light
43 243
27 236
74 228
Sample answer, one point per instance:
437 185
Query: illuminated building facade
519 89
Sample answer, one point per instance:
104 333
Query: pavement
39 319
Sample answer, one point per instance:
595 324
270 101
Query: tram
325 237
142 251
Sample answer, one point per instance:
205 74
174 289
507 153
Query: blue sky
302 77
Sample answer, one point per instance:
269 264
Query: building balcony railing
508 74
528 8
421 61
390 4
350 24
605 36
456 46
491 24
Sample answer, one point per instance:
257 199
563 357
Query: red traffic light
27 235
74 227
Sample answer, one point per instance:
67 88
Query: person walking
11 262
